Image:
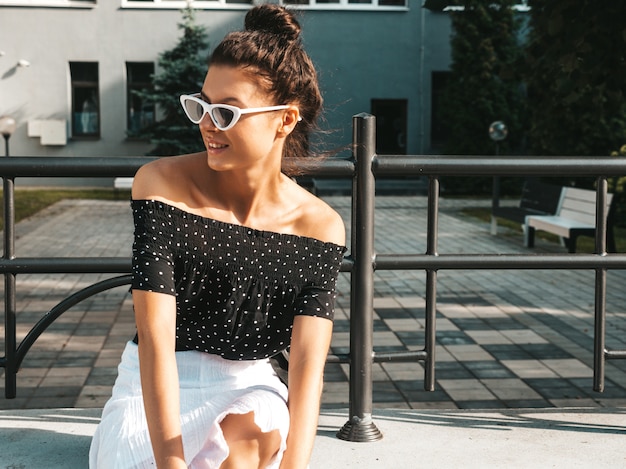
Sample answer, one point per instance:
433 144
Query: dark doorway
391 124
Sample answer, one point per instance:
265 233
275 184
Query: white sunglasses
224 116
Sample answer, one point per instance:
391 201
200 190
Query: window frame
181 4
85 84
136 85
346 5
222 4
522 6
50 3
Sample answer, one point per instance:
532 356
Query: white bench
575 216
123 183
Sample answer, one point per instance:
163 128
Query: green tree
576 64
484 85
180 70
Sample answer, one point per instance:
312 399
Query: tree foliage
576 76
180 70
484 85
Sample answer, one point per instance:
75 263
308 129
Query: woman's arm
310 341
155 315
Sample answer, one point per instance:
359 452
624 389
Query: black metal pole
360 426
10 344
600 287
495 201
431 283
495 197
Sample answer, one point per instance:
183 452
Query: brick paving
519 339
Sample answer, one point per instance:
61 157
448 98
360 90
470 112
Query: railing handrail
429 165
127 166
382 165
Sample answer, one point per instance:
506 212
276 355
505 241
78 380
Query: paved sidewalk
524 438
506 339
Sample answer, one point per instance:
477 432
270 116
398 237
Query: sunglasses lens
194 110
222 116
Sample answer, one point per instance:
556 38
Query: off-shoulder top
237 289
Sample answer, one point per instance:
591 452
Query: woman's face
255 137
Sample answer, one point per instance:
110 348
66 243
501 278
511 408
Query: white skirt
210 388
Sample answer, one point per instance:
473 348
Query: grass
30 201
585 244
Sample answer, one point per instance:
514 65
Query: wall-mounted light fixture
23 63
7 127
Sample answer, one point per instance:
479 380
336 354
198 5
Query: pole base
359 430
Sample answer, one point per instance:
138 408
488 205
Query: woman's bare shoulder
320 221
161 179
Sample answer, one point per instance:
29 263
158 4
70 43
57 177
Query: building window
139 112
312 4
438 126
391 125
348 3
205 1
181 3
85 99
50 3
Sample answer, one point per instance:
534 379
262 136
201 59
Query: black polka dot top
237 289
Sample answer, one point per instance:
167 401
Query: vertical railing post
432 235
600 287
10 340
360 426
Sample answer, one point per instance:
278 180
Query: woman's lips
216 145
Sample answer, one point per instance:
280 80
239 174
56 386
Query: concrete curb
558 438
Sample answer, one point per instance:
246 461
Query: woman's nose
207 123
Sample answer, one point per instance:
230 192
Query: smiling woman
239 90
233 263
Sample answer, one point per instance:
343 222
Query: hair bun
273 19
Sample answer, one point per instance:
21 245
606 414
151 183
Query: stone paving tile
511 390
488 370
504 339
568 368
466 391
529 369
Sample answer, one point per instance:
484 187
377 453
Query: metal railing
362 260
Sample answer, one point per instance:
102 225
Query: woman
233 262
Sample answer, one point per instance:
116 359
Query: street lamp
7 127
497 132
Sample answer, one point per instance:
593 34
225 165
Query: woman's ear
291 117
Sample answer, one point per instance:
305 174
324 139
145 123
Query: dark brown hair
270 46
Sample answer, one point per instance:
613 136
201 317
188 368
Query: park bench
123 183
576 216
537 198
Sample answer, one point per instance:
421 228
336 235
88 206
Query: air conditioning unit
50 131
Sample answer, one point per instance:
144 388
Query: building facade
67 68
